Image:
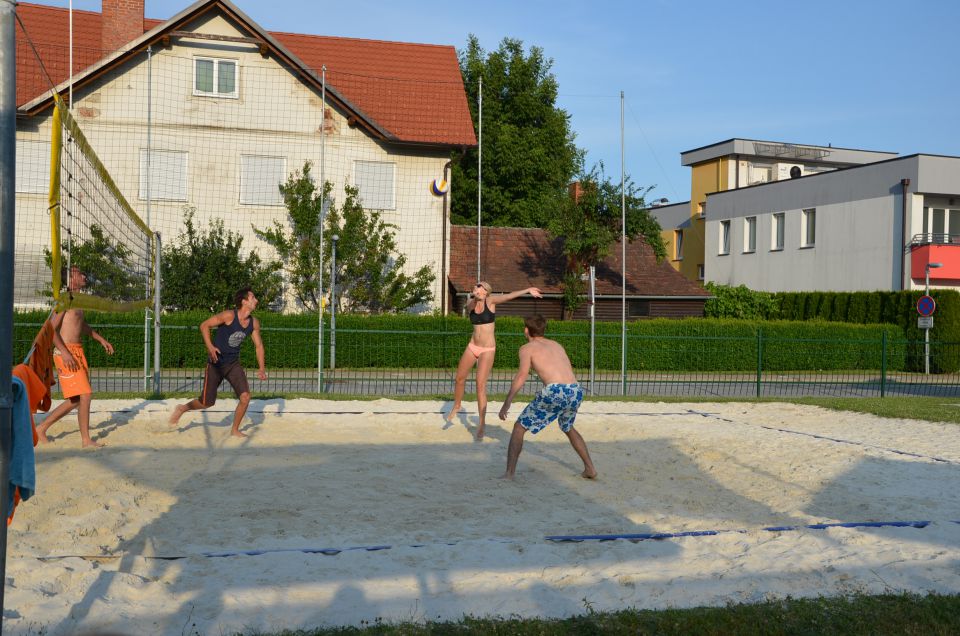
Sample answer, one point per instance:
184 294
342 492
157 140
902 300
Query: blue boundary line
645 536
553 538
824 437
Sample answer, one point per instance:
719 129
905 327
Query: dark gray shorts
232 372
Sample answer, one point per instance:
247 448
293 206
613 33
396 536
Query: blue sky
877 75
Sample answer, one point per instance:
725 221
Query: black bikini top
485 317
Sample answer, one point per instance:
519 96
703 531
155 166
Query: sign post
926 305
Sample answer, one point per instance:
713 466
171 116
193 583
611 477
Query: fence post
156 315
759 358
883 364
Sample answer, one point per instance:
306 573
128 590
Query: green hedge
897 308
405 341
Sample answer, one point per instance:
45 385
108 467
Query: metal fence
378 363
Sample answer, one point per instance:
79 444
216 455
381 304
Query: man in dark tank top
223 361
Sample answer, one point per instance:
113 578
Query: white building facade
865 228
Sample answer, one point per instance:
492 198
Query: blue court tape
645 536
829 439
572 538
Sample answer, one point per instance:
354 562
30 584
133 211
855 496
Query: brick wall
122 22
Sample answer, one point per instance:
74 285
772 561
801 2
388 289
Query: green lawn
888 614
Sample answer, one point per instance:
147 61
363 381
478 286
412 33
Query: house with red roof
206 113
516 258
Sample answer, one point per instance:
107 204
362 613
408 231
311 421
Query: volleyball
440 186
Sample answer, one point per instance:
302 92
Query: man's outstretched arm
518 381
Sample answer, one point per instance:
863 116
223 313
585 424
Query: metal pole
623 263
146 312
323 207
479 169
70 61
333 303
593 327
926 332
8 159
156 315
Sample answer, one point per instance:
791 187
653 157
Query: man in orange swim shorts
69 327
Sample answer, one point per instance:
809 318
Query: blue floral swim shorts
554 402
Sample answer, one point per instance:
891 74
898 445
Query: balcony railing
932 239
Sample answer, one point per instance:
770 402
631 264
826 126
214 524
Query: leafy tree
592 221
108 267
202 269
370 276
297 242
740 302
529 155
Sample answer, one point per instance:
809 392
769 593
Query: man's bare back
549 361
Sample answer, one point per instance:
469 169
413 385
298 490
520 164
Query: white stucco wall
274 115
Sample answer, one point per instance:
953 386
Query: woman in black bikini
482 347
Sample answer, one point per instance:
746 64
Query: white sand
323 474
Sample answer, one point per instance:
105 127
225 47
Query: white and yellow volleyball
439 186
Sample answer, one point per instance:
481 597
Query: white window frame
678 245
276 198
365 200
749 235
809 229
724 247
156 170
216 77
32 177
778 232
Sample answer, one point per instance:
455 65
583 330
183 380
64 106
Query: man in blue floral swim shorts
559 399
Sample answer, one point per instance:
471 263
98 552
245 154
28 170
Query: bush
406 341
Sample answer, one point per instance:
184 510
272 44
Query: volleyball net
101 255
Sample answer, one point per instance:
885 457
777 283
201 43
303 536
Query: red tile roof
413 92
516 258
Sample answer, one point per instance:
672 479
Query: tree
370 276
298 243
203 269
529 155
107 266
592 220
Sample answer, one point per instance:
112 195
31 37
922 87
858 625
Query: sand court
335 513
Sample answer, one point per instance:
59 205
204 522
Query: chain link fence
656 366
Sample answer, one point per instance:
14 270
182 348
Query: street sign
925 322
926 305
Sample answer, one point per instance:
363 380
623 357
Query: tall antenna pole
623 263
150 242
70 70
323 212
479 169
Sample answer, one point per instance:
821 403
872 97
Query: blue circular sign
926 305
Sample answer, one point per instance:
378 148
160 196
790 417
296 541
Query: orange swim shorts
73 383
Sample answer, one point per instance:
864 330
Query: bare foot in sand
506 477
93 444
453 412
238 434
589 474
478 436
42 438
177 414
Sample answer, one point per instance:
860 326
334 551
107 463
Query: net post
8 156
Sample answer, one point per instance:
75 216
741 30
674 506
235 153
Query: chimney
122 22
576 191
